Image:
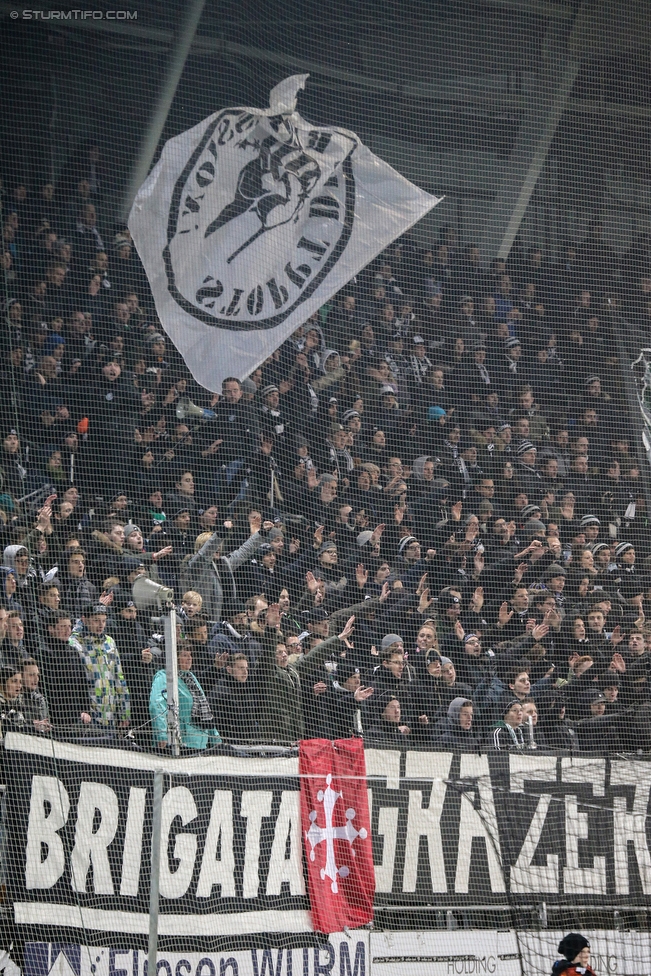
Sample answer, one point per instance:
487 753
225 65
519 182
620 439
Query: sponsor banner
462 953
336 955
358 953
252 220
447 830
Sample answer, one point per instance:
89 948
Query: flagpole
154 130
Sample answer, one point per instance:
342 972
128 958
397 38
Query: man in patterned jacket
107 688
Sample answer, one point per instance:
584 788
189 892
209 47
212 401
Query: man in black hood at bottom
575 949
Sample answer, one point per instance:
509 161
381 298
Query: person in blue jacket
196 721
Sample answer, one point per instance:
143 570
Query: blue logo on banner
52 959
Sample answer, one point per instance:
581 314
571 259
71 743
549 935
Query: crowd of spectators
421 520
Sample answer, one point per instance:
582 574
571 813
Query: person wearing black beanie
575 950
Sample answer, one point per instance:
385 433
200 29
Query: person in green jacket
196 722
278 683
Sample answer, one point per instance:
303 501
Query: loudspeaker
147 593
186 408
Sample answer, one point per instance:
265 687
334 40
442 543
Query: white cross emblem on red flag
336 829
317 835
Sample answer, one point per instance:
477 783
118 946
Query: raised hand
312 480
477 601
162 553
361 575
540 631
616 637
424 601
504 615
43 521
212 448
553 618
348 629
422 584
312 583
362 694
618 663
538 551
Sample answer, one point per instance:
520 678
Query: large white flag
252 220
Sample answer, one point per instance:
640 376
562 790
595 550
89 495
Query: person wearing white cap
528 476
272 418
512 373
629 583
464 323
590 525
419 363
396 357
410 565
339 460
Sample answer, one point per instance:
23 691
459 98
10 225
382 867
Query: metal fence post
172 671
154 882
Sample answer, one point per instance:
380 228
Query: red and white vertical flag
336 829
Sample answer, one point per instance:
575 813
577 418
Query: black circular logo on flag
259 217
